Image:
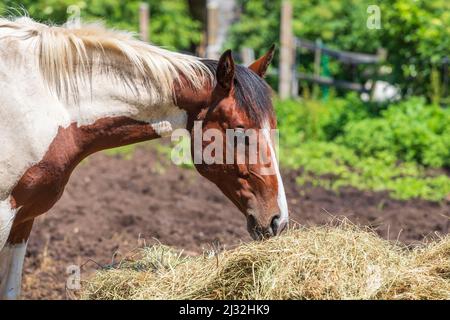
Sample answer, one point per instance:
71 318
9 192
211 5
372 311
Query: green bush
313 119
332 166
369 137
340 143
412 131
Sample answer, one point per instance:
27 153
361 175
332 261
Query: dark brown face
238 156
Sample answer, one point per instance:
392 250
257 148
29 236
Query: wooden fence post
144 13
317 57
286 51
212 51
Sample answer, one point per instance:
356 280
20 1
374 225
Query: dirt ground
115 204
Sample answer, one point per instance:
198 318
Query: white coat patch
176 120
7 215
281 198
30 119
11 265
163 128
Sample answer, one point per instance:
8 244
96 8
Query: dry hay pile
328 262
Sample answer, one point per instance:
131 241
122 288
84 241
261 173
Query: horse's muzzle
258 232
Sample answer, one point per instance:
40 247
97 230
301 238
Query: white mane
67 57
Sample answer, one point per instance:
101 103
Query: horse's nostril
257 231
275 224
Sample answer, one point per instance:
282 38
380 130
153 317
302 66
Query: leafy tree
170 24
416 34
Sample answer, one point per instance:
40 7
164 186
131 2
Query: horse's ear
260 66
225 71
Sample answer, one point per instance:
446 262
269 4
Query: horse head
236 150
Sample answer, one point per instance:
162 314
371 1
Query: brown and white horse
67 93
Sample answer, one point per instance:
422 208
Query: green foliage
330 165
313 119
341 144
369 137
170 25
416 34
410 131
174 26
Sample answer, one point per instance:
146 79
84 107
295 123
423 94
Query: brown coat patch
43 184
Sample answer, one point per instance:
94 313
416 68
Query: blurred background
361 91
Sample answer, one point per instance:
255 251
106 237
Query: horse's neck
111 115
35 124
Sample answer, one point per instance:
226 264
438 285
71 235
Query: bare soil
114 204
